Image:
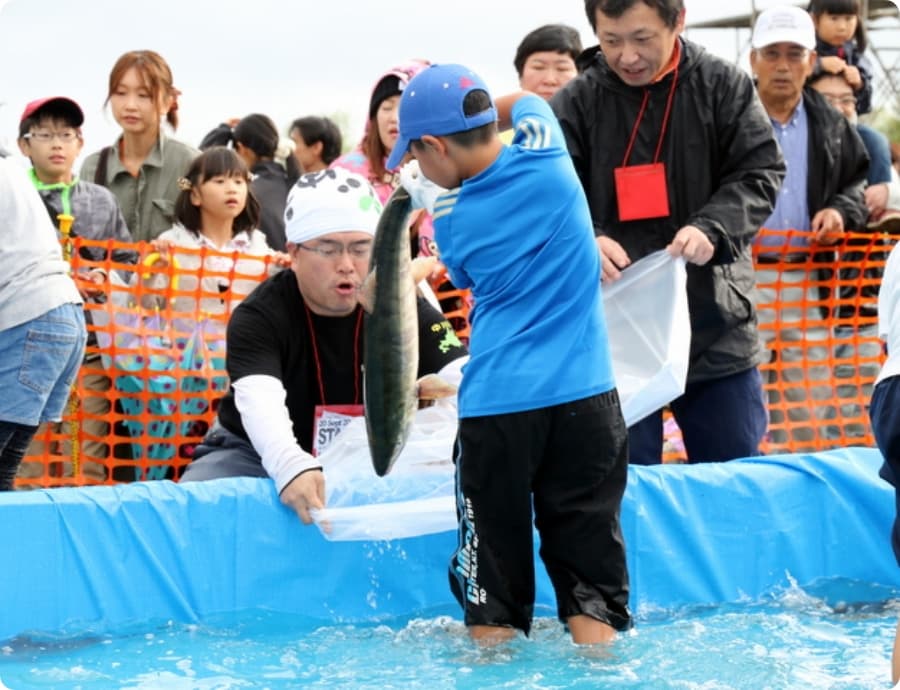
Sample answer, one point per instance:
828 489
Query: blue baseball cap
432 103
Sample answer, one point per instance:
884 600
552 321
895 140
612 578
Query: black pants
884 411
735 403
570 462
14 440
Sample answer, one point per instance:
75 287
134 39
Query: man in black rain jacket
646 96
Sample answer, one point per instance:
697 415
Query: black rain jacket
723 170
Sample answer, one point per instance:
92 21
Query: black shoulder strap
102 164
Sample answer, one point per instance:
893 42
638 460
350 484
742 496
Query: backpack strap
102 164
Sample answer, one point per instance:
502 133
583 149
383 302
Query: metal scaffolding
882 26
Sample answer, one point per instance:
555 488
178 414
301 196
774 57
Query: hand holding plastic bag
422 191
649 329
416 498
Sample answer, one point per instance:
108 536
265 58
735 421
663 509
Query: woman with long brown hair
143 166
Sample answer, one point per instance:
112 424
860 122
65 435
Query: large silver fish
391 340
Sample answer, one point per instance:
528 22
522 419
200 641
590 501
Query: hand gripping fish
391 392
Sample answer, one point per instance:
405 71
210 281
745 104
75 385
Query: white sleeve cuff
452 372
261 402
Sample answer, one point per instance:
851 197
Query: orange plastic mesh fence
155 364
154 367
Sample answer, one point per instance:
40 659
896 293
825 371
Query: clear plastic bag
649 333
415 498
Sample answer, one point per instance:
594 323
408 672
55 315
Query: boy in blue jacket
540 418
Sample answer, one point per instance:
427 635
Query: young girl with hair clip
273 168
143 166
840 44
216 210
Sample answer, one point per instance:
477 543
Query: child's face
436 161
133 105
221 197
835 29
387 122
52 146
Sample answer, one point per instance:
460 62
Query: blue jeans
720 419
39 360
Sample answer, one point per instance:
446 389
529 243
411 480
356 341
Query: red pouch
641 191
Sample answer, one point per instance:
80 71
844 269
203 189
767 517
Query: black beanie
387 87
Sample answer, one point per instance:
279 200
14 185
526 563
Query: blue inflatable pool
101 557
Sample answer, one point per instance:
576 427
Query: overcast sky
286 58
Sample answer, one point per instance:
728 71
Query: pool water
835 635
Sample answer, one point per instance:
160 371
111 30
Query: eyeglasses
334 250
839 100
66 136
774 55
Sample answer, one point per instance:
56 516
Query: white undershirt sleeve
452 372
261 402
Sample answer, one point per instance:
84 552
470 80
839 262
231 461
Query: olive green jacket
148 200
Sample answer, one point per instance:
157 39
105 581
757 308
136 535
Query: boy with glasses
295 345
50 136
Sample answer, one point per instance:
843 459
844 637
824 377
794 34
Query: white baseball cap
784 24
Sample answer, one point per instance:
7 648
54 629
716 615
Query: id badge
329 421
641 191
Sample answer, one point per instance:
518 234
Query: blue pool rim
99 558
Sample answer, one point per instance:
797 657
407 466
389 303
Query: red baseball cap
71 107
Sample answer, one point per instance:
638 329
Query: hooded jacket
357 161
723 171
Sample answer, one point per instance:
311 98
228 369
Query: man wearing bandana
295 345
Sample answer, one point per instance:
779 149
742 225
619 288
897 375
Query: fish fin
366 293
433 387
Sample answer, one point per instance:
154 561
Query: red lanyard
315 349
640 117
